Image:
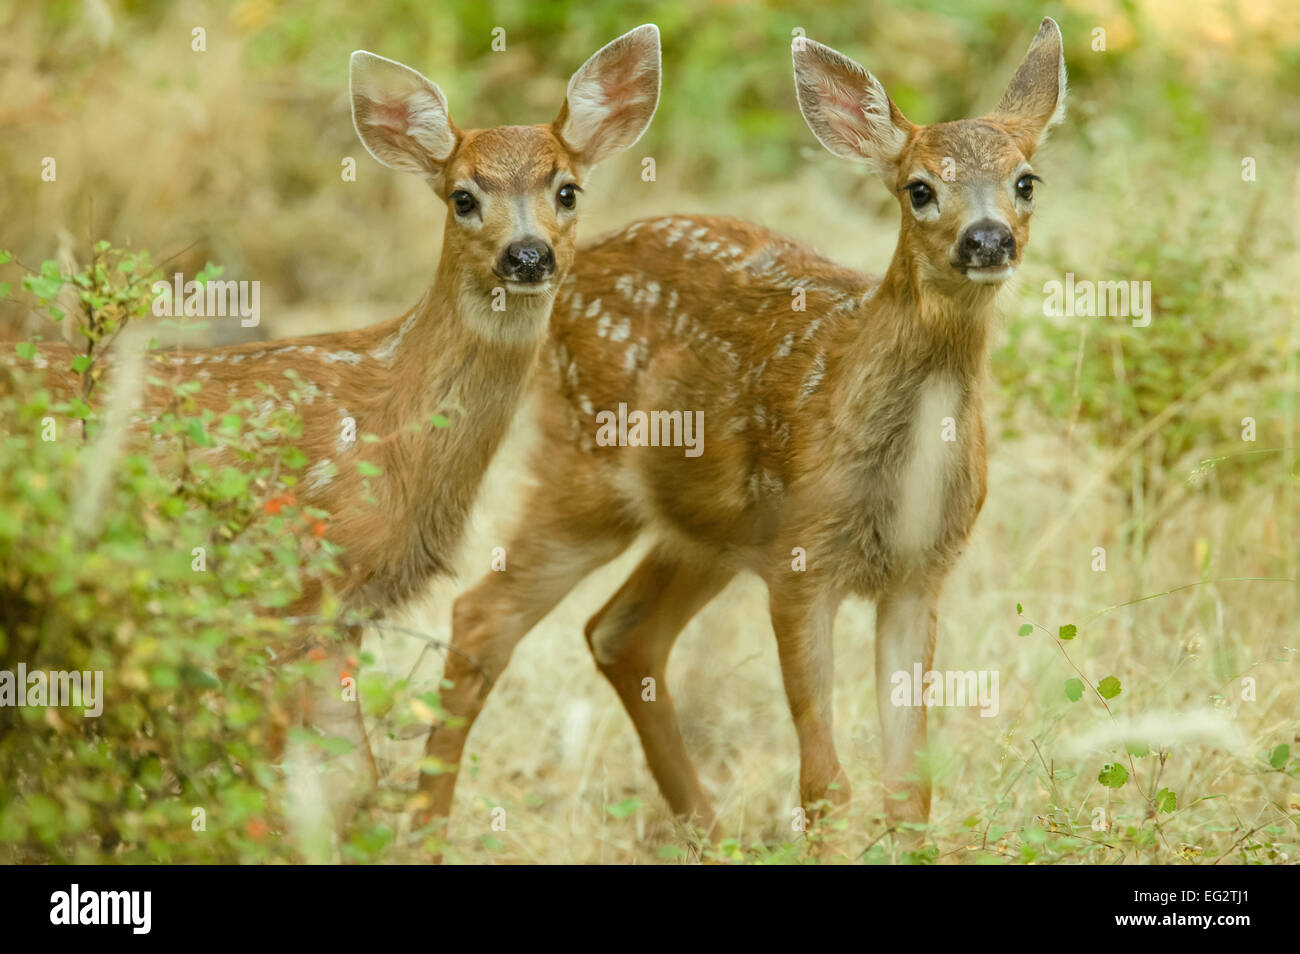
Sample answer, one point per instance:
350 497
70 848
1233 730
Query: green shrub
161 582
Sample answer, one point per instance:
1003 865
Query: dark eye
922 194
464 202
568 195
1025 186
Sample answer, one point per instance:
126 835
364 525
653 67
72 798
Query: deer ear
846 107
612 98
400 115
1036 97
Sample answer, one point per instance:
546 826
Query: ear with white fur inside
400 115
846 107
612 98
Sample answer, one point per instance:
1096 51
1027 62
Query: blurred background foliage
232 146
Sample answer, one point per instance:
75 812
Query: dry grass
554 747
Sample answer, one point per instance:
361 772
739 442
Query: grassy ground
555 749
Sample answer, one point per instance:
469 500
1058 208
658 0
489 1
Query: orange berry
278 502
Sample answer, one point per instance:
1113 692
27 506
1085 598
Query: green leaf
1112 775
293 457
1068 631
1025 629
43 287
1020 610
491 842
150 773
1279 757
208 272
197 678
432 766
1074 689
625 808
336 745
163 677
44 811
232 483
5 257
1137 749
197 433
80 363
439 420
670 852
26 350
1109 687
276 599
367 469
1166 801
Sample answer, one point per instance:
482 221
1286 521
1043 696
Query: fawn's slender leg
335 711
802 621
631 638
905 630
487 623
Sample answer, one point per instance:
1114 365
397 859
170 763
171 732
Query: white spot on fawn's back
320 474
347 357
813 381
387 350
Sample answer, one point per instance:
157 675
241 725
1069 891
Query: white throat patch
522 321
923 480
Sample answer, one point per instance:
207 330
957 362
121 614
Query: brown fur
810 426
441 365
453 353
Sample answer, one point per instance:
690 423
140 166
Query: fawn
470 344
825 430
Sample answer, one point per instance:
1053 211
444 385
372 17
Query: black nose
987 243
528 261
